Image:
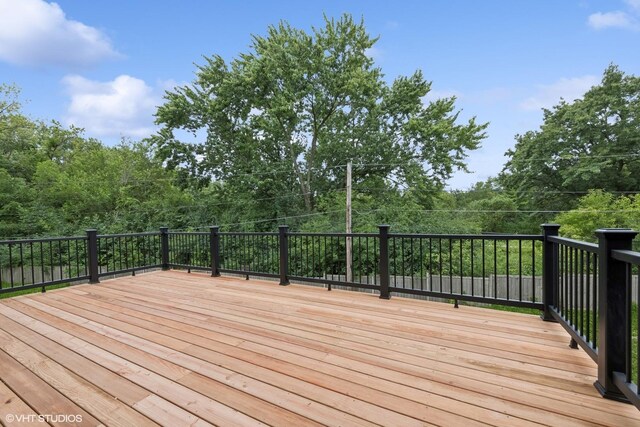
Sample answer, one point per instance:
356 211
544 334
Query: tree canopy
284 118
591 143
599 209
54 181
279 124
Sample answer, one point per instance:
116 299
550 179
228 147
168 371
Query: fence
590 289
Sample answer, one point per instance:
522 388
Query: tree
112 188
599 209
54 181
14 197
591 143
285 117
18 135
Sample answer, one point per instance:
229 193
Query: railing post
384 262
92 246
549 270
284 255
612 303
214 239
164 244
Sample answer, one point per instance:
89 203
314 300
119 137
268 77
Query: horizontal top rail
334 234
470 236
190 233
576 244
149 233
43 240
247 233
630 257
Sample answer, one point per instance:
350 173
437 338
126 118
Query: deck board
173 348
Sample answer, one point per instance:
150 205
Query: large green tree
591 143
284 118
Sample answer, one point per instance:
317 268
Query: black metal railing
256 254
190 250
34 263
128 253
496 269
592 291
589 288
575 296
322 258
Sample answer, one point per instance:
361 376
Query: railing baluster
533 270
495 269
21 265
461 268
506 243
484 274
520 269
581 292
588 298
33 275
451 266
421 240
440 263
473 292
42 262
628 325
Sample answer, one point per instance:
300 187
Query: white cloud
633 4
617 19
37 33
567 89
120 107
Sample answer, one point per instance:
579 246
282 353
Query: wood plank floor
171 348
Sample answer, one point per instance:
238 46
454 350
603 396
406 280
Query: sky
104 65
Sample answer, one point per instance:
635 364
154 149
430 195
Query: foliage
597 210
282 120
54 181
591 143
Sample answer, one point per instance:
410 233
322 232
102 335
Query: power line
284 218
510 210
582 156
566 192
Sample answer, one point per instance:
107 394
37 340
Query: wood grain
173 349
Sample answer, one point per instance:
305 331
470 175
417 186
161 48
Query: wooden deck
175 349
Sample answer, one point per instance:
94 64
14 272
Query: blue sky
103 64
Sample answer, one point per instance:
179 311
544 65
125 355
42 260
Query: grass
524 310
31 290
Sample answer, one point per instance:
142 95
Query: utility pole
348 221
